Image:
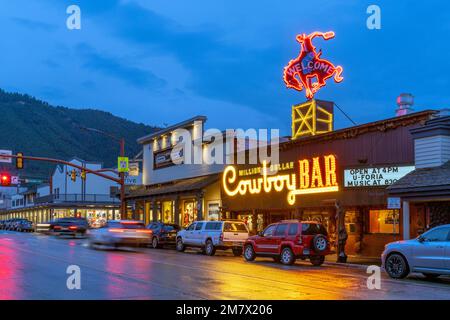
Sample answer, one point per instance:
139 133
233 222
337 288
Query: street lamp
121 141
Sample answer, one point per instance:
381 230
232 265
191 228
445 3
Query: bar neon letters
315 176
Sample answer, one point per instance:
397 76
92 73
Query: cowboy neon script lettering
312 179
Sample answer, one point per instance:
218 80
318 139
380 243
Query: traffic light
83 174
5 179
73 175
19 160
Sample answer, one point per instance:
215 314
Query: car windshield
313 229
234 227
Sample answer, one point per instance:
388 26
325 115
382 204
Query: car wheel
237 252
319 243
317 260
287 256
396 266
210 250
431 276
249 253
155 243
180 245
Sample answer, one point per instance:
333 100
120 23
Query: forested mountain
36 128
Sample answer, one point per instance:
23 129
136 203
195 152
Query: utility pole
123 206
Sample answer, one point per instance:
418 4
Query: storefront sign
314 175
394 203
375 177
134 169
298 74
167 157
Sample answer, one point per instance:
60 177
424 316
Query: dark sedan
69 226
163 233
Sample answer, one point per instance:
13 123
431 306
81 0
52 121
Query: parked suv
163 233
428 254
288 240
212 235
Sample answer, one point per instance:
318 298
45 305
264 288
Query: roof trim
182 124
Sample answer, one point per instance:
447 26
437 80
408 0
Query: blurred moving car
121 233
163 233
288 240
69 226
212 235
428 254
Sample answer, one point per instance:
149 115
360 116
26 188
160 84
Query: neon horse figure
298 74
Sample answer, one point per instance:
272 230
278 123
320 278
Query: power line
346 115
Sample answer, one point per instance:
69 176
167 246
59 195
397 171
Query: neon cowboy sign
317 175
298 74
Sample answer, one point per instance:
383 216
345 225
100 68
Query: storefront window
168 214
213 211
351 222
252 226
384 221
189 212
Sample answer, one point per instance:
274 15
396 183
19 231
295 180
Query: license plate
237 244
305 251
64 228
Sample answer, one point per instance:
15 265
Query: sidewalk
354 261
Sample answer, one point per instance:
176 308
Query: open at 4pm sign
375 177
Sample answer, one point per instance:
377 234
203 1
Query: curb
348 265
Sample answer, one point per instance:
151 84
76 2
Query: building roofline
184 123
350 132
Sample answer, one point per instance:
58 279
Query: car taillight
56 227
143 231
73 228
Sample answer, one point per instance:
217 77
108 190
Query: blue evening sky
157 62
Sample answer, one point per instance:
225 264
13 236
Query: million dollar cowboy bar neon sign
317 175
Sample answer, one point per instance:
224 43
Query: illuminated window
384 221
168 212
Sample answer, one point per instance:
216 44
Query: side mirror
421 239
261 234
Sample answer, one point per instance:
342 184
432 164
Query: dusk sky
160 62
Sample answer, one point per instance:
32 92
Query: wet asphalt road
33 266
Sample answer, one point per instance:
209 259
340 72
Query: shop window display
248 220
189 212
213 211
384 221
168 212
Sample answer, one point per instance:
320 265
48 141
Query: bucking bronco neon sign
299 73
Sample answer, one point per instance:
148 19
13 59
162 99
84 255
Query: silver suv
428 254
212 235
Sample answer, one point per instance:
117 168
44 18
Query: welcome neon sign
317 175
299 72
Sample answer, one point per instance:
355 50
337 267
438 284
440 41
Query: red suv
288 240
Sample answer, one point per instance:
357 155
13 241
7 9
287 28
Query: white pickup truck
212 235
